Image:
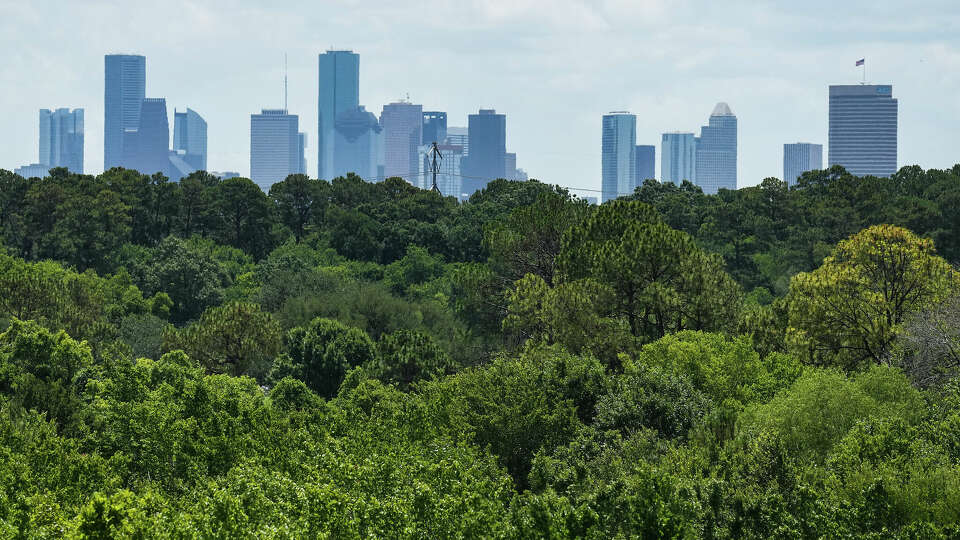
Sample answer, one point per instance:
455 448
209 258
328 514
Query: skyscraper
402 133
486 157
190 138
510 166
459 136
61 139
618 155
152 138
339 73
716 161
863 129
799 158
678 157
302 152
434 127
646 156
358 142
124 90
274 147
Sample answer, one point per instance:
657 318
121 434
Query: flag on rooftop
860 61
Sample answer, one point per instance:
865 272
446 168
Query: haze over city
553 68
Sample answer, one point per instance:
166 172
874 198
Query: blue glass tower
359 138
863 129
152 138
339 73
274 147
190 138
124 89
618 155
61 139
487 133
799 158
434 127
717 151
678 157
646 156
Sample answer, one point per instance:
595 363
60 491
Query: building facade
646 159
190 138
716 160
863 129
799 158
152 138
359 142
34 170
274 147
678 157
61 139
339 73
449 181
618 155
486 157
402 124
434 127
458 136
124 90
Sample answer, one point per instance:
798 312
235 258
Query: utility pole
434 165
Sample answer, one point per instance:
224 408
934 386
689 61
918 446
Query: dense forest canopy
347 359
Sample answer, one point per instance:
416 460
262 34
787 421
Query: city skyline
554 134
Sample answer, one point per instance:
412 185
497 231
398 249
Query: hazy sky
553 67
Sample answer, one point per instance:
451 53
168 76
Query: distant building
522 175
34 170
302 151
458 136
339 73
617 155
863 129
225 174
678 157
61 139
449 181
190 138
152 138
434 127
358 144
646 168
510 166
402 124
716 161
799 158
486 158
274 147
124 90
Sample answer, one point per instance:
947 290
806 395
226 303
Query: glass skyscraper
61 139
799 158
716 160
678 157
434 127
152 138
402 133
124 90
190 138
863 129
646 156
618 155
486 160
274 147
339 73
358 141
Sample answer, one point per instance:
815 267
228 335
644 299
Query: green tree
246 216
298 198
850 310
321 354
405 357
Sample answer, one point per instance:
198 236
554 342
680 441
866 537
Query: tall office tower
646 156
678 157
717 151
799 158
274 147
402 134
359 141
449 181
486 160
510 165
124 90
863 129
302 152
434 127
458 136
61 139
190 138
152 138
339 91
617 155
